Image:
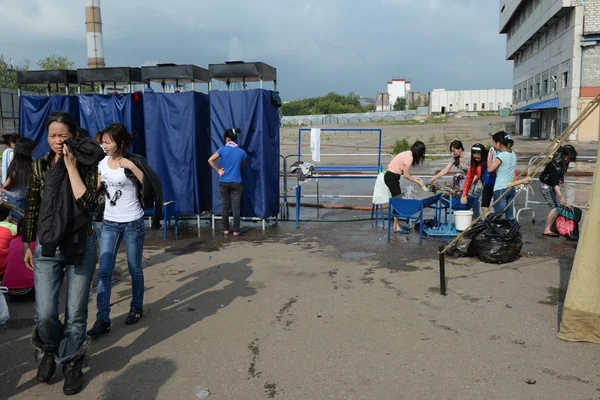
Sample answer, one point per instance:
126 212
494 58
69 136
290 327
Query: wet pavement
330 310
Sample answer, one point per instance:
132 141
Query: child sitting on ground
17 277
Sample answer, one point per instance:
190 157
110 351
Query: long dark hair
20 168
504 139
4 212
118 133
570 152
456 144
232 134
418 152
9 138
478 148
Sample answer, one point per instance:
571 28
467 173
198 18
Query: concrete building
397 88
442 101
420 99
555 49
382 102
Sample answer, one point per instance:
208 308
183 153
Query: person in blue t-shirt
504 165
230 183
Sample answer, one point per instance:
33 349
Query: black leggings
235 190
486 196
392 181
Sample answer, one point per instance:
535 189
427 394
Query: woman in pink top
400 166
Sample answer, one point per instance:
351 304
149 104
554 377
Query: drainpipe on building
561 119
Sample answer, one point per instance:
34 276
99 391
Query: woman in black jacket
131 186
60 191
551 181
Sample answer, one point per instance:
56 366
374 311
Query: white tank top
122 204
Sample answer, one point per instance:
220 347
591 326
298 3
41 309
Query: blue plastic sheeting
33 113
177 134
97 111
252 112
541 105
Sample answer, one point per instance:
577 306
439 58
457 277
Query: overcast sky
317 46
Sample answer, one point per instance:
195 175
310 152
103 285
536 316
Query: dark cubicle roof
242 71
173 73
55 78
113 75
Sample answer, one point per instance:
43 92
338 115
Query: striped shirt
35 188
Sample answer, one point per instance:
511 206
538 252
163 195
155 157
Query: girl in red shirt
480 158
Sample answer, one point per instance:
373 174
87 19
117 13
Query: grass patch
435 120
293 125
400 146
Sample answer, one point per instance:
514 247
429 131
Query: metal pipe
442 256
380 144
337 196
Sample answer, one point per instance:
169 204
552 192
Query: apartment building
442 101
555 49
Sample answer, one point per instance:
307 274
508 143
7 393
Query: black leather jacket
63 221
555 171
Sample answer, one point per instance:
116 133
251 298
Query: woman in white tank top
123 220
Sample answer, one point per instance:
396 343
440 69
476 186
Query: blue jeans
17 201
97 225
112 233
501 205
64 340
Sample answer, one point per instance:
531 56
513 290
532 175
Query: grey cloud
317 46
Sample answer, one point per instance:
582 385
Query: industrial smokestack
93 25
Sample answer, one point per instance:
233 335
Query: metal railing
373 172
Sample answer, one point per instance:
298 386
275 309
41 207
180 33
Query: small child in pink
8 231
17 275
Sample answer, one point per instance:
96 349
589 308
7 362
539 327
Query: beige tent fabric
581 312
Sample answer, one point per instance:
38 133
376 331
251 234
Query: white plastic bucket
462 219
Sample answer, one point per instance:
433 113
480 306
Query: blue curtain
177 135
252 112
35 110
97 111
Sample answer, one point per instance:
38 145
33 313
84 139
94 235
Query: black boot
100 328
47 367
73 374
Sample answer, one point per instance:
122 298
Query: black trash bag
500 242
465 247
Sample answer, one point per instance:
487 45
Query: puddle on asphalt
357 255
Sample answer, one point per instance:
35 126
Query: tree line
8 71
331 103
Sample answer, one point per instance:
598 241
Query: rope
546 154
